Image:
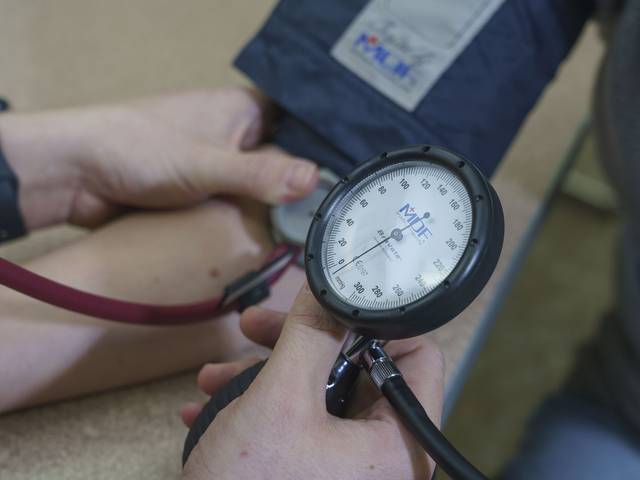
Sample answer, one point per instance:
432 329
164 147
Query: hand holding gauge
397 248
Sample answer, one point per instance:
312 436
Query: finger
262 326
91 211
305 352
263 126
267 175
214 376
189 413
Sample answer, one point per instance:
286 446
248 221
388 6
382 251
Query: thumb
305 352
268 175
262 326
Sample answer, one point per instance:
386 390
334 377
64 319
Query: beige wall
62 52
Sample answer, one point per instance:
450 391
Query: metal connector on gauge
379 364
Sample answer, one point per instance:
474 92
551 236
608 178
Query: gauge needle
396 234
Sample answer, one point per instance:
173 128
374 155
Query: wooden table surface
70 52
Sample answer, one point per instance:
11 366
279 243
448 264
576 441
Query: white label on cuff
402 47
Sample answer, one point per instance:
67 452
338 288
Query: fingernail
301 173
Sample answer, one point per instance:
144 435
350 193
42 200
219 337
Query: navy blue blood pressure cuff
475 106
11 224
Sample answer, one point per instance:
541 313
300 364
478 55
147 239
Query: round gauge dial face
396 235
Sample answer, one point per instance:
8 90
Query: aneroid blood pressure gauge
397 248
404 243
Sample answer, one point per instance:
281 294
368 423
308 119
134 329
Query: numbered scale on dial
398 235
391 239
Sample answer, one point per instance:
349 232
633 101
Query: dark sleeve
11 224
475 107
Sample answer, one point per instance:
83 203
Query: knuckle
240 97
267 173
307 313
317 320
203 96
242 174
256 171
276 168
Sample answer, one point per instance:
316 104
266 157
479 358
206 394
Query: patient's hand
86 165
165 257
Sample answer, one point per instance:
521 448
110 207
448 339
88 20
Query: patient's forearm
47 353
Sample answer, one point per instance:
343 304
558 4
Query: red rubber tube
36 286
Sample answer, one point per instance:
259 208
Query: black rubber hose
417 421
236 387
342 380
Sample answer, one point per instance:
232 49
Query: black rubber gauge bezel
455 292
